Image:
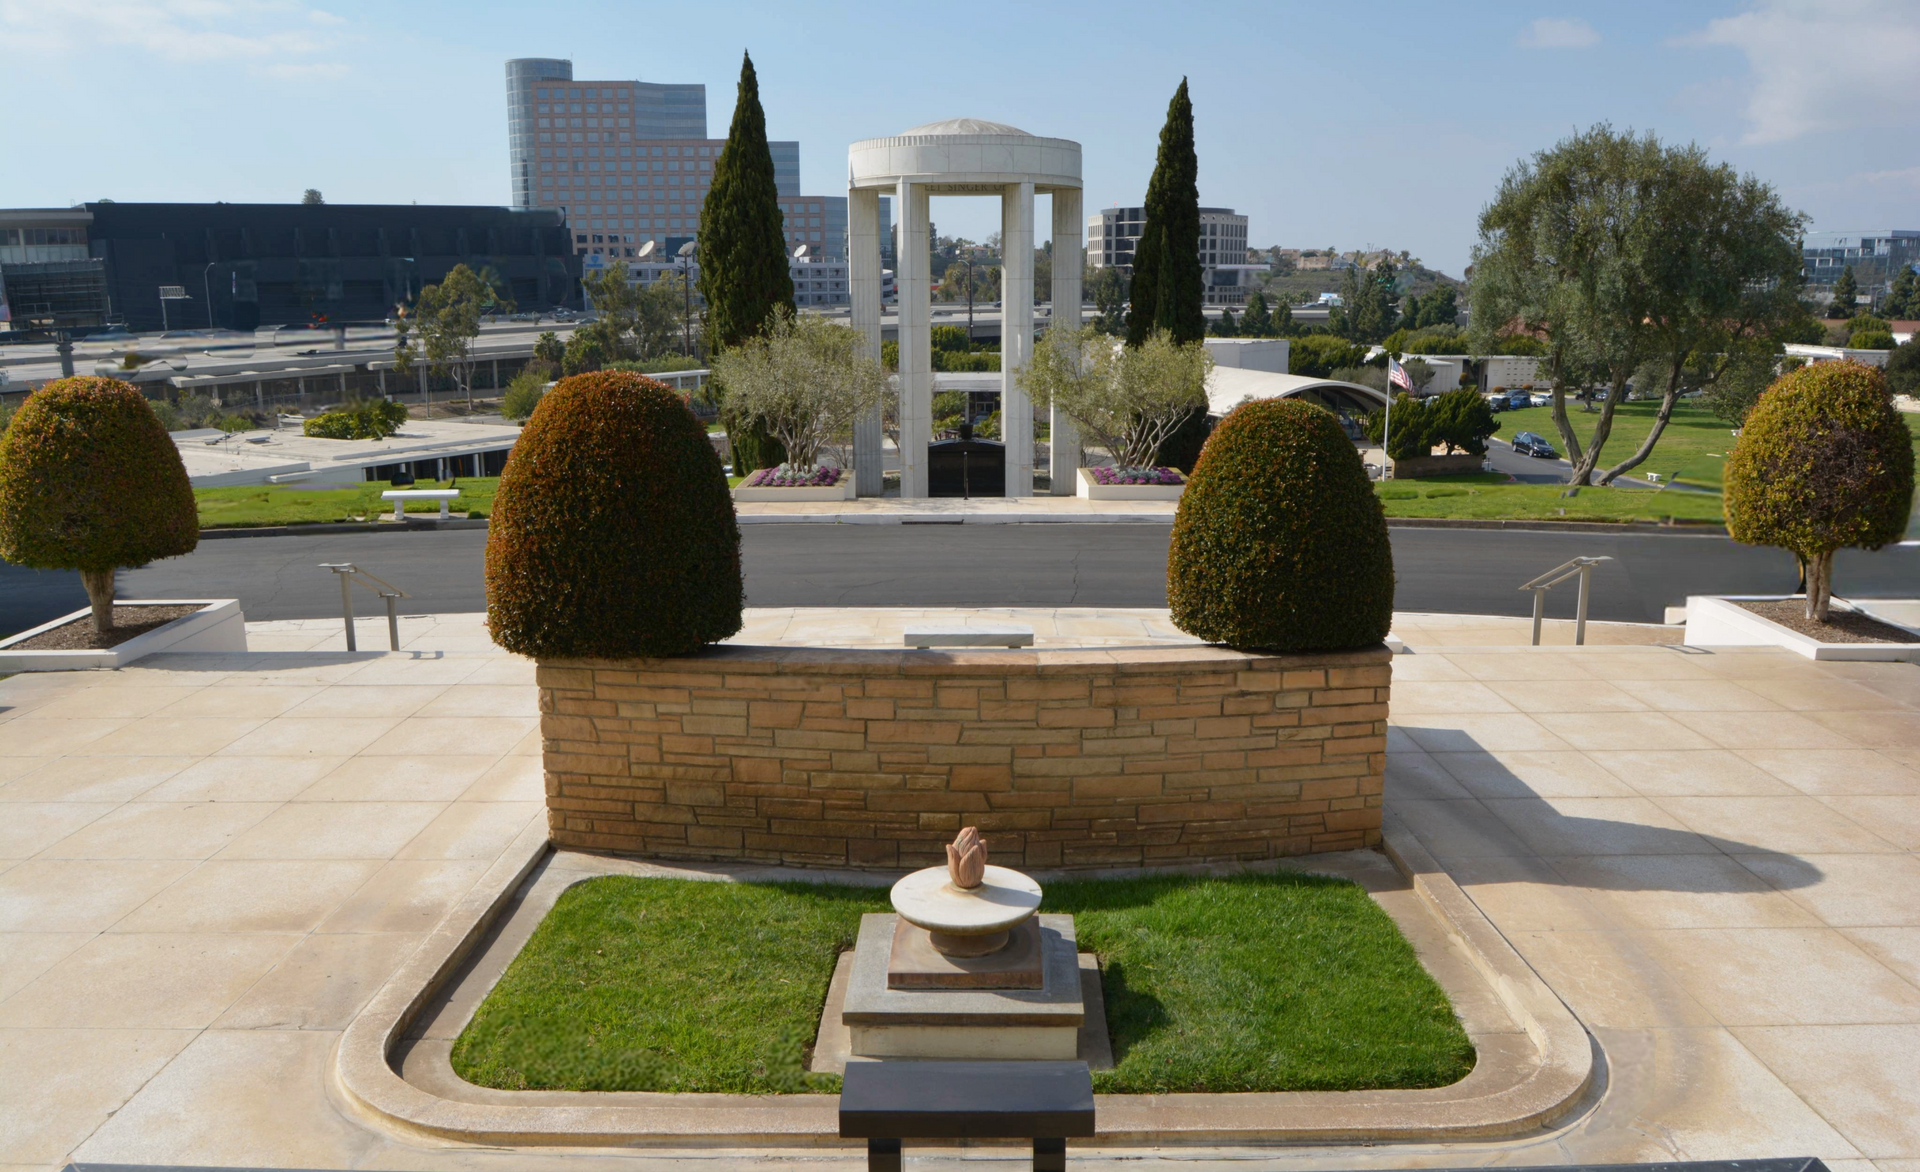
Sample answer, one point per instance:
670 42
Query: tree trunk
1567 439
99 584
1819 585
1660 418
1583 466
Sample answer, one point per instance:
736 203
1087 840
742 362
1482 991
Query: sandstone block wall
876 758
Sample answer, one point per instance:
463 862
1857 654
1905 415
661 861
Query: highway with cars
1456 570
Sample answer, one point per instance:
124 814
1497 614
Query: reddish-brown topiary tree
612 534
1823 463
90 481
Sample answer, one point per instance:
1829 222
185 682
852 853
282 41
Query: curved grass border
1508 1093
1249 981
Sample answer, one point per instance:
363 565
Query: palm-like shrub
90 481
1824 463
612 535
1280 543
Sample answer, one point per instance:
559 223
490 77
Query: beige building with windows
1113 234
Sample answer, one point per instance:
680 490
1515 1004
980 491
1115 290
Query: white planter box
1719 621
217 626
842 491
1094 491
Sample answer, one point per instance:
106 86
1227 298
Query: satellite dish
648 249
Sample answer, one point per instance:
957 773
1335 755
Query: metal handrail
349 573
1547 581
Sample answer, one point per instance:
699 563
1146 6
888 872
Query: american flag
1397 376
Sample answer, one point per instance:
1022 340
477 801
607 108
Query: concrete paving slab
1809 966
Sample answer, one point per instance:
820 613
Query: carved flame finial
967 859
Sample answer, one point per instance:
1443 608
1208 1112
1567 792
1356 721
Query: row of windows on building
590 92
26 236
604 135
575 108
588 123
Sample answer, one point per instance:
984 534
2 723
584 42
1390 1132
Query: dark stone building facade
299 264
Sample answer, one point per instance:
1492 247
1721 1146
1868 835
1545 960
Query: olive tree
90 481
1616 250
444 321
1127 398
806 380
1824 463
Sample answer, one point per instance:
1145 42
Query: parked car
1541 398
1528 443
1497 402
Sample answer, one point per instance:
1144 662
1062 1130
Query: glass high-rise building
552 116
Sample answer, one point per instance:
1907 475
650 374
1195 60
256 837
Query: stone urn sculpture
968 907
967 859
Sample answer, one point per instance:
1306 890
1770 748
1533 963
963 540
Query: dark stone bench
1046 1102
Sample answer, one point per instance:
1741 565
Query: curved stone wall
823 757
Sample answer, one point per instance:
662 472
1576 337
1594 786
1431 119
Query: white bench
400 497
924 638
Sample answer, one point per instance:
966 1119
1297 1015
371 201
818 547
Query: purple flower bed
787 476
1105 475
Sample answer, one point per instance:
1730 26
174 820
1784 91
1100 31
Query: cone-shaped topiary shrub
1280 544
90 481
1824 462
612 535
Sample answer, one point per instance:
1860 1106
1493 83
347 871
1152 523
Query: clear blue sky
1344 125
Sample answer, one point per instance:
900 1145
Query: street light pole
686 310
207 288
686 299
969 263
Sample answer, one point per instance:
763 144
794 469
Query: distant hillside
1291 281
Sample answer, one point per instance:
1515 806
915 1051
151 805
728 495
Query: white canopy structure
962 156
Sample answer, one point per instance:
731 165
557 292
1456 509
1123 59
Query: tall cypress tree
743 255
1846 291
1167 293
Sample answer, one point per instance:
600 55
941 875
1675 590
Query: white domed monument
962 156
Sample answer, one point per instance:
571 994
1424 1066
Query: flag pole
1386 433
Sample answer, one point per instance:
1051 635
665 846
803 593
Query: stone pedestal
1042 1023
915 962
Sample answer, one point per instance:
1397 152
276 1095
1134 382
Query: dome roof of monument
966 126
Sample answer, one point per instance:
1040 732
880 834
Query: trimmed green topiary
1823 463
612 534
365 419
90 481
1280 543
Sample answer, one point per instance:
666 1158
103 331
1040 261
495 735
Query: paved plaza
209 864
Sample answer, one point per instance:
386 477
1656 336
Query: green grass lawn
1249 983
250 505
1488 496
1694 443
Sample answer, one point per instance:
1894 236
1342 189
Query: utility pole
686 299
207 287
969 263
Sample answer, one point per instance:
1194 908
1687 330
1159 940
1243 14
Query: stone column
1016 334
863 283
915 317
1063 448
